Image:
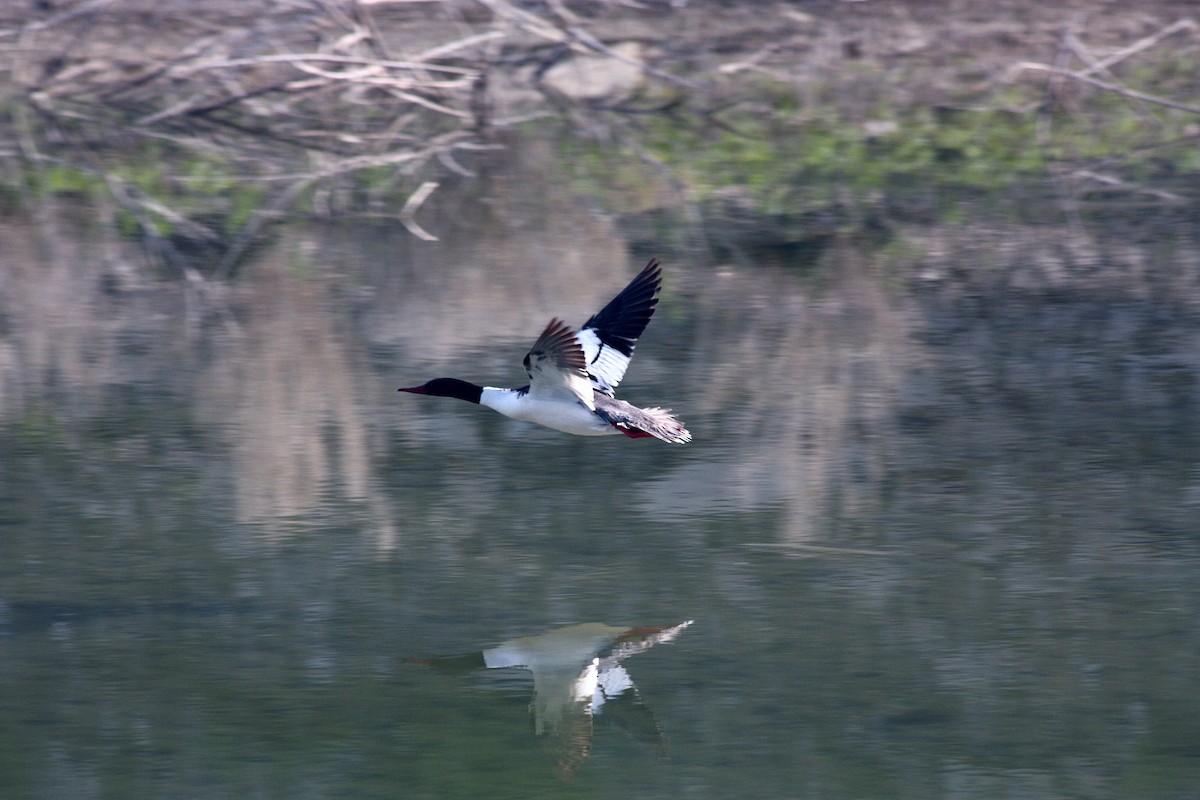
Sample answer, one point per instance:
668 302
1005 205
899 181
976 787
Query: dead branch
1133 188
1109 87
328 58
1145 43
58 19
300 98
1102 66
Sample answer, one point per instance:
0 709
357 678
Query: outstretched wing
608 338
556 364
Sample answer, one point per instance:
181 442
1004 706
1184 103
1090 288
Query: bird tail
639 423
662 424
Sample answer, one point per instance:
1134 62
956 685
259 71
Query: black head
448 387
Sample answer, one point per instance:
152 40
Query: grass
782 157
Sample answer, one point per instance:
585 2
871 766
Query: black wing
608 338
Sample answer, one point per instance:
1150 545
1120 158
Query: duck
573 374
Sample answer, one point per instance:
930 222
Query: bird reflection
577 675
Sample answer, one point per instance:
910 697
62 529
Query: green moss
850 143
785 149
63 179
775 159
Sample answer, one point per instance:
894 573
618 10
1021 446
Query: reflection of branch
407 214
137 205
302 182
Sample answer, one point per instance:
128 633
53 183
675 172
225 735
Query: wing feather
556 363
609 337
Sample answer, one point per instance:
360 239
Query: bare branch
1112 180
462 44
1095 67
1111 87
329 58
295 100
1178 26
57 19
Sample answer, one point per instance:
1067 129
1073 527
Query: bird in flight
573 374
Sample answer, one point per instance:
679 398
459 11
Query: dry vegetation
202 123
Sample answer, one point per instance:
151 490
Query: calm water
934 543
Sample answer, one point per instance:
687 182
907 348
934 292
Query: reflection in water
273 362
997 492
60 331
287 391
800 383
577 673
524 252
306 419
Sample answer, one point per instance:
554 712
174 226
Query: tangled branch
301 94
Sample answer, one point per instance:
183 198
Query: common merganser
572 375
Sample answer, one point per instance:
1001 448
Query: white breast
562 413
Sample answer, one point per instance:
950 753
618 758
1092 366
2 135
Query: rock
592 77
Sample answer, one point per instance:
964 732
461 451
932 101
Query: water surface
934 543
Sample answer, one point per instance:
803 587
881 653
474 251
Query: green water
935 544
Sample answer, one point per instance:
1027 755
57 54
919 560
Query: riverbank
771 128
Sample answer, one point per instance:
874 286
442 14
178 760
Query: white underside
560 411
606 364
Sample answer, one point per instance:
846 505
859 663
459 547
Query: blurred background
931 311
